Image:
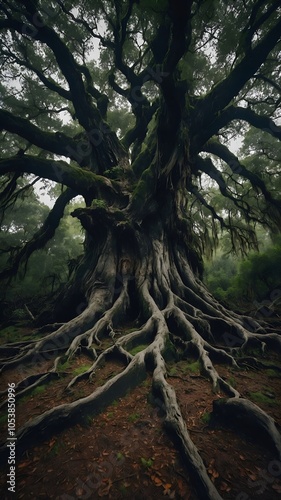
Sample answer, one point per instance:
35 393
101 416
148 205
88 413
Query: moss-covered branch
81 181
57 143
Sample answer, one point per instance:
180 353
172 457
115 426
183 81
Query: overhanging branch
207 109
237 168
259 121
57 143
85 112
81 181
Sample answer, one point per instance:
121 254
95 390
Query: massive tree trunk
148 275
143 254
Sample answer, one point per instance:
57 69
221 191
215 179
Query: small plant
134 417
19 314
146 382
64 366
206 417
193 367
120 457
187 365
88 419
13 334
147 463
38 390
97 203
115 173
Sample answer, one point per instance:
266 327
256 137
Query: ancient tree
135 106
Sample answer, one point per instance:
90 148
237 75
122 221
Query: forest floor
124 452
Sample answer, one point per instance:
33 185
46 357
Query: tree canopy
164 116
151 92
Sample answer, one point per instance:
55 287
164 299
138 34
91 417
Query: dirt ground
125 452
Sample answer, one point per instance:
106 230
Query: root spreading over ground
172 318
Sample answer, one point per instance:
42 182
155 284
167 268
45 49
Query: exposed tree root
249 417
61 416
179 318
29 384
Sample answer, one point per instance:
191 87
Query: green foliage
172 371
259 397
147 463
133 417
219 274
38 390
206 417
98 203
114 74
81 369
236 281
62 367
14 334
183 367
193 367
138 349
47 268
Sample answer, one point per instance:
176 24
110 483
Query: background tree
47 268
245 283
143 137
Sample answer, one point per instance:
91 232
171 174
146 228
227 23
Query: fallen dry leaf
156 480
24 464
224 487
167 486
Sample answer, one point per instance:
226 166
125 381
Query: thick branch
57 143
81 181
207 108
226 155
70 69
255 23
50 84
206 165
259 121
180 12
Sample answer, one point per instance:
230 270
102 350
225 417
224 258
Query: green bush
239 281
